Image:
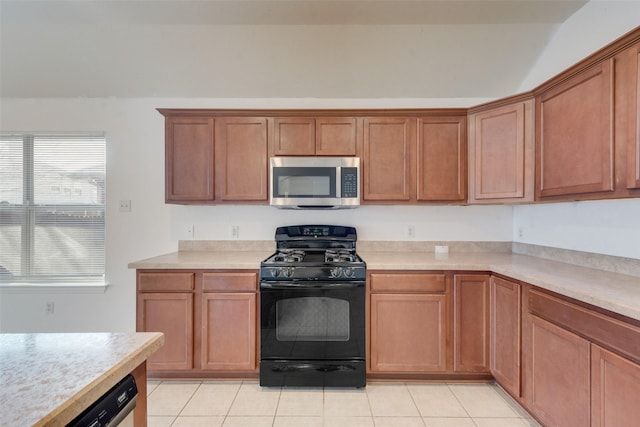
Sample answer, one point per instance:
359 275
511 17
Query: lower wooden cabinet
471 322
229 331
505 324
172 314
557 376
615 392
408 333
209 319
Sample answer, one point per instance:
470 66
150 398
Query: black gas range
312 300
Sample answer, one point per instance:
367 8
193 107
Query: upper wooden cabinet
216 160
323 136
633 117
242 161
189 159
442 159
574 134
502 153
388 166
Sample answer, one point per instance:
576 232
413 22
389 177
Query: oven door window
312 319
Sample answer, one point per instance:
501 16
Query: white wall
606 227
135 171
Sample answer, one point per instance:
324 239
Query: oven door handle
311 285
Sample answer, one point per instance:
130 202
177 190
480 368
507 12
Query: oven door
312 320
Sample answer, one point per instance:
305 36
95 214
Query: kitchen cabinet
615 389
189 159
442 159
558 375
209 318
580 363
575 138
389 159
471 322
502 152
211 160
408 323
165 304
242 160
229 321
505 327
321 136
633 118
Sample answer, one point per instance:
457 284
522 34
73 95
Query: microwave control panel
349 185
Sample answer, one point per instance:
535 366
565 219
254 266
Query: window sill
54 288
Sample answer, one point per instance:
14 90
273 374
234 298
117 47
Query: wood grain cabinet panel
471 322
408 333
558 375
501 154
388 166
228 331
171 314
442 159
575 134
336 136
615 394
505 324
633 124
294 136
242 159
189 159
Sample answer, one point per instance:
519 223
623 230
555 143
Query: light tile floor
380 404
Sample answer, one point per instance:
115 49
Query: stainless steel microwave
315 182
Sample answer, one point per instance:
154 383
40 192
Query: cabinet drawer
607 331
238 282
165 282
403 282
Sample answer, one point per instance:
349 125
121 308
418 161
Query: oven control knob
349 272
335 272
287 272
275 272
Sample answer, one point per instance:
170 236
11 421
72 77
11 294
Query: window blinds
52 207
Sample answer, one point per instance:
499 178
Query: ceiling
267 48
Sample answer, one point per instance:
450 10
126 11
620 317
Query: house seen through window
52 208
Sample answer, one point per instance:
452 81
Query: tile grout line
414 404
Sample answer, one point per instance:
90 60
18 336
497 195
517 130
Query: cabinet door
501 154
575 137
471 322
558 380
633 126
336 136
615 395
294 136
389 147
171 314
408 333
442 159
228 331
242 159
189 159
505 334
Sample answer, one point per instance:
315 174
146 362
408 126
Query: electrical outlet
520 232
411 231
189 232
125 206
235 231
50 307
442 249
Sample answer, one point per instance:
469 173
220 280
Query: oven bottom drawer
313 373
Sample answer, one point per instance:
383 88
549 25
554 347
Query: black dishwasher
111 408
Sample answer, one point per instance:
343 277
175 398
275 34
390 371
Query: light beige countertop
49 379
616 292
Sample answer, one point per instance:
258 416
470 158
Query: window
52 208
